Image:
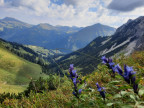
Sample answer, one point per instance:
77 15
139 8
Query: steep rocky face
129 37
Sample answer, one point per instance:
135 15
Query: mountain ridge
89 33
127 39
49 36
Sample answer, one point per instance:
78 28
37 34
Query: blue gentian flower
128 75
74 74
105 60
80 90
71 69
110 64
75 79
101 90
119 70
71 66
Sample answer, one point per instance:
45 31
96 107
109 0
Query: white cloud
1 2
70 13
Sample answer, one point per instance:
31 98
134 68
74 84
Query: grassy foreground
119 94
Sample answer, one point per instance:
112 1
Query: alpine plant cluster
75 79
128 74
101 90
109 63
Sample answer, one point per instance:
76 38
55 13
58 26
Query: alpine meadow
72 54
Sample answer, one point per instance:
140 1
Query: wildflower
71 68
80 90
74 74
128 75
130 78
75 79
101 90
110 64
119 70
105 60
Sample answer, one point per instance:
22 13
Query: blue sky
73 12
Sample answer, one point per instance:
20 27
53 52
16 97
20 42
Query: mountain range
51 37
127 39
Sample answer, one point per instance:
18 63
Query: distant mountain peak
46 26
129 20
98 24
9 22
9 19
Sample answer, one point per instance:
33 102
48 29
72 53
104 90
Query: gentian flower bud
109 63
74 74
128 75
75 79
101 90
119 70
80 90
105 60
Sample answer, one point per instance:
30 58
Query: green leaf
117 96
81 86
119 77
140 106
137 81
132 97
141 102
86 77
123 93
125 87
110 104
89 90
115 82
141 92
83 96
127 106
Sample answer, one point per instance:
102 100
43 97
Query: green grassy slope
44 52
118 92
15 70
